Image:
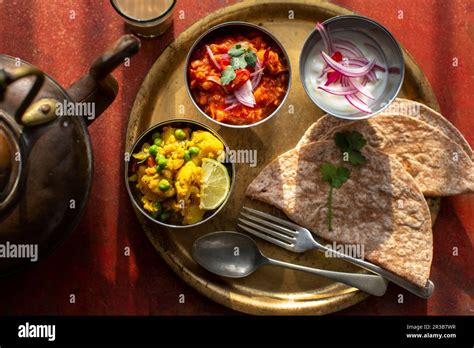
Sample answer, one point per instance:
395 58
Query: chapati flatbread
439 165
379 207
424 113
402 107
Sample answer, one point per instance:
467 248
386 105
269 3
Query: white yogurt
315 64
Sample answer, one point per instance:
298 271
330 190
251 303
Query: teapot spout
99 86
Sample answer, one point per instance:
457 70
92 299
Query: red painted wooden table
91 264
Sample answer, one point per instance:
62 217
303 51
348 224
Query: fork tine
266 237
287 231
273 218
275 234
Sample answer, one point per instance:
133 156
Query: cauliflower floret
208 144
187 181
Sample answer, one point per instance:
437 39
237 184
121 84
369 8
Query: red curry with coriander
238 79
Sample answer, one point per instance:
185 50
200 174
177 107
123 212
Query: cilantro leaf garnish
251 58
228 75
350 144
238 62
335 176
241 58
236 50
356 157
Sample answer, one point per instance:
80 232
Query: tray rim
218 292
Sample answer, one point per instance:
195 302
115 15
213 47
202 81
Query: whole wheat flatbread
424 113
380 206
439 166
402 107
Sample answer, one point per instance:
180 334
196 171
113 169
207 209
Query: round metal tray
270 290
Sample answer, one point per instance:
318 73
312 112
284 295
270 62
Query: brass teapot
45 151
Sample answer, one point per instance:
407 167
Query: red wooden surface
91 263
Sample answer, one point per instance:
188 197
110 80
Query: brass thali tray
163 96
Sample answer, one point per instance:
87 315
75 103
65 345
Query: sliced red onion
344 82
348 71
360 61
325 70
347 51
349 45
364 61
355 102
233 106
325 36
365 80
353 63
258 73
380 68
360 88
213 59
230 100
360 99
245 96
372 76
339 91
214 79
256 81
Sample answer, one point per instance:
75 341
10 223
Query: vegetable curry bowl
177 175
238 74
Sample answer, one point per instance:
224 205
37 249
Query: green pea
193 150
153 150
157 141
164 185
155 214
156 135
162 162
179 134
187 156
165 215
159 168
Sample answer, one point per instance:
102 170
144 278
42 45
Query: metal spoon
235 255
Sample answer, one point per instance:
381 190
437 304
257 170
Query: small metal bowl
386 42
222 30
135 195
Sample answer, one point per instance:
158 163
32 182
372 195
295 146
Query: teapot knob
41 111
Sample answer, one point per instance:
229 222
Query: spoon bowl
234 255
228 254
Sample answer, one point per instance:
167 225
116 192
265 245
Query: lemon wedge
215 184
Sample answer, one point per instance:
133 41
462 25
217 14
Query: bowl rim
146 133
392 39
249 25
163 15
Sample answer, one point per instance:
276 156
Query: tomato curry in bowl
238 74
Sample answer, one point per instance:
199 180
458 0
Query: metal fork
298 239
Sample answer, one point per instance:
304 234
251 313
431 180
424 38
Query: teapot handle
7 78
98 86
